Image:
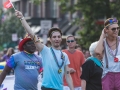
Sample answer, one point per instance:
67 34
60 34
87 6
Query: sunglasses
70 41
114 29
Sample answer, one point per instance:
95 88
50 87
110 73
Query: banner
45 26
14 37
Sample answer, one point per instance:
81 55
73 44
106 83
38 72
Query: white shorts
67 88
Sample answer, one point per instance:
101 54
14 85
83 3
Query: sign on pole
45 26
14 37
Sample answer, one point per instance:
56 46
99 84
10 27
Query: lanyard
62 57
110 50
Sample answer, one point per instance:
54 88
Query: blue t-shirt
26 70
51 77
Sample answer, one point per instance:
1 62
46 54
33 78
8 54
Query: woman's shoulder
88 62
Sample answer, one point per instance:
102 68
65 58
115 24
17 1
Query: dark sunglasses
114 29
70 41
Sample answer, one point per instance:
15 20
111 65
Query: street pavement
8 83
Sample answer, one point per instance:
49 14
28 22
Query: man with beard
26 66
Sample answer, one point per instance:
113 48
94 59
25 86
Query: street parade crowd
65 69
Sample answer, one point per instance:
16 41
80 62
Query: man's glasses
114 29
70 41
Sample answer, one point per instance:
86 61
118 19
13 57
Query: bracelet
33 38
37 41
21 18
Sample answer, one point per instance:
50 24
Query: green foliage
92 10
10 25
37 2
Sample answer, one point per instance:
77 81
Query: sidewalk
9 82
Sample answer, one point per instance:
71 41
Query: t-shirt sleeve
11 62
87 70
44 51
45 48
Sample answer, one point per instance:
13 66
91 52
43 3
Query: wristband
34 39
37 41
21 18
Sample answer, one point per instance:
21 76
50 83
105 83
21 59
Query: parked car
2 65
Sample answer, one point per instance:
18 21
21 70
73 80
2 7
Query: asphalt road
8 83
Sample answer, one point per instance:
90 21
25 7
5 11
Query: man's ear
105 30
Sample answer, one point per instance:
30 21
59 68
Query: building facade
47 10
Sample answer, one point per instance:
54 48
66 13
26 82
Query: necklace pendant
116 59
59 71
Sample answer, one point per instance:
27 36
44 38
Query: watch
21 18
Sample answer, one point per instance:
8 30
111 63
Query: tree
93 11
9 25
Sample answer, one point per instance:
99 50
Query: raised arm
99 49
38 44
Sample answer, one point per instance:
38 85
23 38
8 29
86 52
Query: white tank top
112 66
